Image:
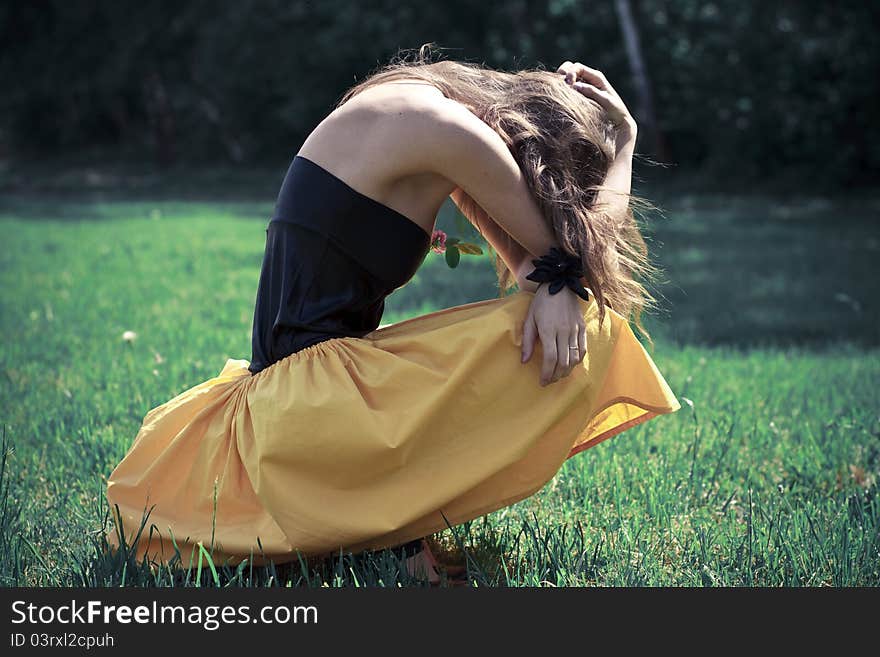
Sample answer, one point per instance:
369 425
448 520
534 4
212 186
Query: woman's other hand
593 84
558 320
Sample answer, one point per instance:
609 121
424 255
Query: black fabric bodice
332 256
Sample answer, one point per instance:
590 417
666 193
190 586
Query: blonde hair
563 144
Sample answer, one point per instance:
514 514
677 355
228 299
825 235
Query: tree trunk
161 115
645 115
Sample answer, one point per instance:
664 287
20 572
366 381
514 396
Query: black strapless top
332 256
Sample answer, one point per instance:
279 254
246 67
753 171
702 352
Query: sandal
455 575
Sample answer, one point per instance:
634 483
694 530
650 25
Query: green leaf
452 241
469 249
210 561
453 255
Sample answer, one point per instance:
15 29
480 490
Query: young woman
338 434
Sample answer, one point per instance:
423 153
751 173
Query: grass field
769 336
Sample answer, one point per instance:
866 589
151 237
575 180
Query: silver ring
574 347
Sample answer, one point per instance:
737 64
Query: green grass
770 331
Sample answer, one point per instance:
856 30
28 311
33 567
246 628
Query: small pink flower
438 241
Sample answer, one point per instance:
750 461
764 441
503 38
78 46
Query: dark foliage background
786 91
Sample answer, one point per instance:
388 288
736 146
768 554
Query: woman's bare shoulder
443 138
407 92
377 111
387 101
374 129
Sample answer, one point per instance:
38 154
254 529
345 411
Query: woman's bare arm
441 136
517 259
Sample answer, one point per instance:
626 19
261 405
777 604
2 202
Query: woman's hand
593 84
558 319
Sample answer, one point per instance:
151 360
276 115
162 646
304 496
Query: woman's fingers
559 357
548 363
605 100
582 341
593 76
565 69
593 84
530 332
563 356
575 71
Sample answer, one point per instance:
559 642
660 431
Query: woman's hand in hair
593 84
558 320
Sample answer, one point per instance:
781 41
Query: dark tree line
743 88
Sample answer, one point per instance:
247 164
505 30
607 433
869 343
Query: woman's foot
423 565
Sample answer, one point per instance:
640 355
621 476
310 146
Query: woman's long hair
563 144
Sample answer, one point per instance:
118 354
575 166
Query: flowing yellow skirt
365 443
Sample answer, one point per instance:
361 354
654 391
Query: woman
338 434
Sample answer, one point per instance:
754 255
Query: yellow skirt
366 443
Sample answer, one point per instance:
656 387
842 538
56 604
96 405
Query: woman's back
337 244
359 143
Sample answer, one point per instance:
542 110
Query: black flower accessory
559 270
